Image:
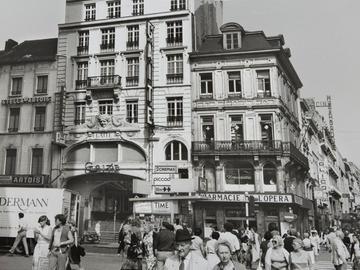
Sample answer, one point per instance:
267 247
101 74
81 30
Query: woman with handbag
76 251
43 235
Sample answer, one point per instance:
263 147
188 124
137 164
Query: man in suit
184 259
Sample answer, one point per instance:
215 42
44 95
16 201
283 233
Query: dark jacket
164 240
288 243
64 237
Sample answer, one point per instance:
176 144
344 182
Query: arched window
269 172
176 150
239 173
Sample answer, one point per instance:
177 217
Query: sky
322 35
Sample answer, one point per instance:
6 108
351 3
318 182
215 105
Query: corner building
124 111
246 132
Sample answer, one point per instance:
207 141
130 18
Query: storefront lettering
23 203
26 100
165 169
101 168
259 198
28 179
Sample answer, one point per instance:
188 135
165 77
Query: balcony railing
107 47
81 84
180 7
295 154
174 41
15 129
174 78
79 121
132 81
132 45
15 93
110 81
131 119
175 121
264 94
83 50
39 128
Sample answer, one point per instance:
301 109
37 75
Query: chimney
9 44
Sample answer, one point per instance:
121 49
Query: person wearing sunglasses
277 257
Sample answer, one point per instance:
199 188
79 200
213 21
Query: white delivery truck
34 202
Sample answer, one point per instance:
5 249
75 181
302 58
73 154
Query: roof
31 51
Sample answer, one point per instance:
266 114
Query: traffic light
251 205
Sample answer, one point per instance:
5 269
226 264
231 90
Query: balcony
264 94
39 128
110 81
295 154
132 45
80 84
175 121
83 50
174 78
132 81
107 47
174 41
131 119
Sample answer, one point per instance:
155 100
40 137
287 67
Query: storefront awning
172 198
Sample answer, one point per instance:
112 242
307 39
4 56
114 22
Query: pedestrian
289 239
223 250
197 243
277 257
148 242
232 239
76 251
98 229
184 259
299 259
42 235
177 225
210 250
164 244
356 252
61 239
135 251
265 244
21 235
308 247
121 236
339 252
315 241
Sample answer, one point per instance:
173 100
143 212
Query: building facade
246 132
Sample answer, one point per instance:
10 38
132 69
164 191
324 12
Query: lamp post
247 208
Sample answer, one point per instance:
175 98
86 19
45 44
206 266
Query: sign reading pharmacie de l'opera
241 197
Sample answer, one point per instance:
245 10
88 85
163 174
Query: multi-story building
246 132
124 114
28 86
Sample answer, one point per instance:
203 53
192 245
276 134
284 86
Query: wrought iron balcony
110 81
175 121
295 154
83 50
132 45
174 41
39 128
174 78
107 47
132 81
131 119
81 84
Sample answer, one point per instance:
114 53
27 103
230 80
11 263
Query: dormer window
232 41
232 35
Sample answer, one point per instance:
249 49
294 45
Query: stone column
220 181
259 182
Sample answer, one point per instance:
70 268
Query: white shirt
22 223
57 237
232 239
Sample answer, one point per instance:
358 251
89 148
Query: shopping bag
43 263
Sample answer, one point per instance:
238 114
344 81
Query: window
176 150
263 82
175 111
90 12
239 173
114 9
40 118
79 113
10 163
37 161
207 126
269 173
206 83
183 173
107 70
266 127
106 107
232 41
14 119
82 75
138 7
42 84
174 33
177 5
16 86
175 68
237 130
132 111
234 83
107 39
132 78
83 47
133 37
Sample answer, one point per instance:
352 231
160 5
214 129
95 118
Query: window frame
40 165
114 9
90 12
177 5
133 71
232 40
13 128
175 111
175 68
264 82
82 73
234 82
233 121
239 168
206 82
108 104
10 169
107 38
271 167
138 7
182 151
80 113
17 93
133 37
174 33
132 111
43 90
42 121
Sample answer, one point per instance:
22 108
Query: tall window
37 161
83 47
174 33
42 84
107 39
132 111
263 82
14 117
206 82
10 163
90 12
132 78
234 83
82 75
80 113
114 9
176 150
266 126
16 86
107 70
207 127
237 128
106 107
40 118
239 173
232 41
175 68
269 173
178 5
133 37
138 7
175 111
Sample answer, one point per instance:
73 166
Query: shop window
80 153
269 172
130 153
239 212
239 173
176 150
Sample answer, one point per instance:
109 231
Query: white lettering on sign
273 198
162 189
165 169
241 197
324 182
161 205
